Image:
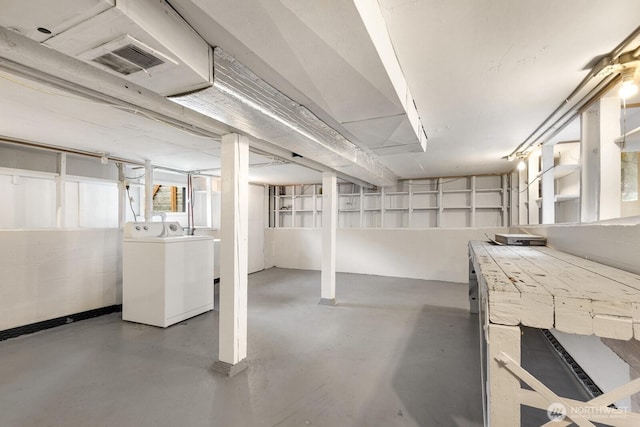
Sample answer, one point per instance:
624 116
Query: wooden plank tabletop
540 287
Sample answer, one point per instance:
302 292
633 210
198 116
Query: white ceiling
483 75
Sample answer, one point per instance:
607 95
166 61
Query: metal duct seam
244 101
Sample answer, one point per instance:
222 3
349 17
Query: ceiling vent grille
128 59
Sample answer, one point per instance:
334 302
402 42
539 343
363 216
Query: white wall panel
433 254
98 205
611 244
53 273
29 202
257 217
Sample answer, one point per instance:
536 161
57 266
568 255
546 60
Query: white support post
600 172
60 190
523 198
314 207
361 207
265 208
233 255
503 389
410 207
209 201
440 200
122 195
382 209
548 187
148 191
532 190
329 226
507 210
472 202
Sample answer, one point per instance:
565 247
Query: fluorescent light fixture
245 102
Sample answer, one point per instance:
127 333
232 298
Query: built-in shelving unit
295 205
555 187
472 201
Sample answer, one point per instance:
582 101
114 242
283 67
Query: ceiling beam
376 26
26 57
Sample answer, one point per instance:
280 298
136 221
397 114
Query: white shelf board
566 197
488 190
560 171
633 134
456 191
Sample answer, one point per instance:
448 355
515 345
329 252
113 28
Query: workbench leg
474 303
503 394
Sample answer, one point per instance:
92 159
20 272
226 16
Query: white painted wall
53 273
432 254
616 245
258 240
257 225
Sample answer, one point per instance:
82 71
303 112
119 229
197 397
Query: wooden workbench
540 287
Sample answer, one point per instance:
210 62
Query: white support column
532 190
148 190
122 195
548 187
472 202
329 226
503 389
60 190
507 210
382 207
361 207
265 207
208 201
523 197
410 207
440 200
610 159
233 255
600 172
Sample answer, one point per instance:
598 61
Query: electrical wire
135 177
130 203
538 177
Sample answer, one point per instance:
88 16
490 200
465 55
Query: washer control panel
141 230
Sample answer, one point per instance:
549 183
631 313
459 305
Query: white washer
165 279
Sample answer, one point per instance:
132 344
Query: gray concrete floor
394 352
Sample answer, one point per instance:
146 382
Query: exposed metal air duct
244 101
